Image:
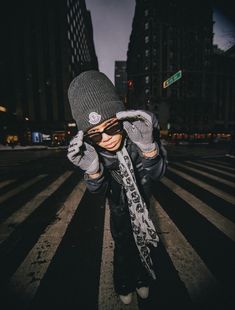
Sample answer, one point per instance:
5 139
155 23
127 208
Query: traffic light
130 84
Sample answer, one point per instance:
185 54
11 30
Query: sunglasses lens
113 129
96 137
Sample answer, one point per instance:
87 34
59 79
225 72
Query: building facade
224 92
46 44
168 37
120 79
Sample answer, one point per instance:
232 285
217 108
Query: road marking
26 280
210 176
108 299
20 188
5 183
219 164
190 267
215 169
218 220
209 188
8 226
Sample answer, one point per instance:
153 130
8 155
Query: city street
118 76
56 247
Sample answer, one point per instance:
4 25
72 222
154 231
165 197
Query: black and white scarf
144 231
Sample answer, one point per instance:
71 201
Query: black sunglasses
110 130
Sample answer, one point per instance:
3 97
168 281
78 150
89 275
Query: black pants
128 270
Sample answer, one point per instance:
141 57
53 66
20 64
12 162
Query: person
120 154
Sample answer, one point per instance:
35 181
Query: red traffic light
130 84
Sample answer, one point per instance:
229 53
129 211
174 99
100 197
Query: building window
146 12
146 26
147 79
146 53
146 39
147 91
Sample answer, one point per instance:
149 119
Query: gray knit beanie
93 99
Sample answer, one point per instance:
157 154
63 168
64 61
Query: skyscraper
120 79
46 44
168 36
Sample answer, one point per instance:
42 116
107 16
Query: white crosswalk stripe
218 164
26 279
225 196
214 169
6 182
213 177
192 270
223 224
21 187
21 215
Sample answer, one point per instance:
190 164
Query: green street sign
172 79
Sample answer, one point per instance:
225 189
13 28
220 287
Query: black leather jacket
147 170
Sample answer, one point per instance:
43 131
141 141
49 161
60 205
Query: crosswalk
56 247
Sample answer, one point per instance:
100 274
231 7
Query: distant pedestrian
118 151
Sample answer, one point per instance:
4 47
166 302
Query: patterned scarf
143 229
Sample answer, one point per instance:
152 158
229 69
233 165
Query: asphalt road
56 248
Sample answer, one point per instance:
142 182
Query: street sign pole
172 79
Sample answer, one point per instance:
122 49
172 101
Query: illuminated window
147 79
146 53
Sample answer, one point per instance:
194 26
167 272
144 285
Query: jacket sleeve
155 167
97 185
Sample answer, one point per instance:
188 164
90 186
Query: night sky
112 22
224 27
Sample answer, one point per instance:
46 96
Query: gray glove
83 155
139 127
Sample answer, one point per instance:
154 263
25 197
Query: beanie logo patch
94 118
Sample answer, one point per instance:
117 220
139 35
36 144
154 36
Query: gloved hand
83 155
139 127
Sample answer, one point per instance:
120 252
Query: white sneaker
143 292
126 299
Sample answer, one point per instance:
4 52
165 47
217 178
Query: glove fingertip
120 115
80 134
